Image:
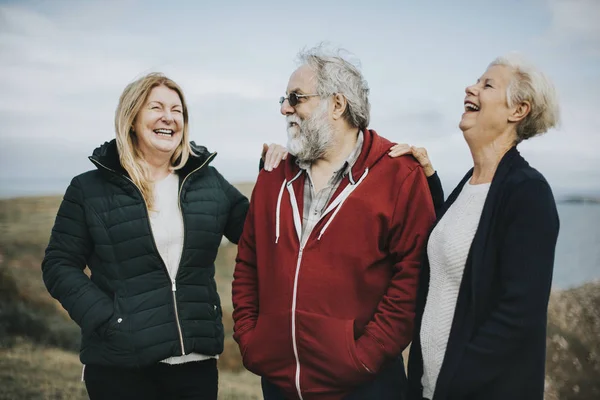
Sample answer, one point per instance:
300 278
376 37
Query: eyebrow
296 90
161 103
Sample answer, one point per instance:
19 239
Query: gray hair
338 75
530 84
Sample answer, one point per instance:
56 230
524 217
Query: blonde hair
530 84
130 103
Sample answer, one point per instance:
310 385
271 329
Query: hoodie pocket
327 353
269 350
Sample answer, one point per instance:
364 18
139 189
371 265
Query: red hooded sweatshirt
320 320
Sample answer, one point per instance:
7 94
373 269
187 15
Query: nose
286 109
471 90
167 116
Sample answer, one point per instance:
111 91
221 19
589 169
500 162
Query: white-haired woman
480 330
148 223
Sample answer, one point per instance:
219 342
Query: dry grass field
39 343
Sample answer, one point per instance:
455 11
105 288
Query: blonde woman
480 330
147 222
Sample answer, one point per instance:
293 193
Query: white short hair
530 84
335 74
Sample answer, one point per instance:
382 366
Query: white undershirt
167 228
447 249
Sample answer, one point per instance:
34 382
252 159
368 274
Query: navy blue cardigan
497 343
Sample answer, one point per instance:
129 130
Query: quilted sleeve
66 257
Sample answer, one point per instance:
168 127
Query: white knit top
167 228
447 249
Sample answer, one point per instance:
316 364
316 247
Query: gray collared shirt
316 203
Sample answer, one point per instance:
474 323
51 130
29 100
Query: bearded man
325 280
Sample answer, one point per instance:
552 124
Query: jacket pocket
268 349
327 353
115 335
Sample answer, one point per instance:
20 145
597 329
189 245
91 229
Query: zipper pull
173 287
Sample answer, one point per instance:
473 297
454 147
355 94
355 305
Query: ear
520 111
339 106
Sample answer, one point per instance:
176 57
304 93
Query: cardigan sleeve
238 208
437 192
525 272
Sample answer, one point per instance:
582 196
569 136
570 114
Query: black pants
389 384
196 380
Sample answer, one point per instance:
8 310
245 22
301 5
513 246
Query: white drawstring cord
278 211
352 188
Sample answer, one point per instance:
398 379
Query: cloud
417 124
45 66
575 23
61 82
576 17
63 65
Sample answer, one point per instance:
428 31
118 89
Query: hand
272 155
420 153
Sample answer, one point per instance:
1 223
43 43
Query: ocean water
578 248
577 253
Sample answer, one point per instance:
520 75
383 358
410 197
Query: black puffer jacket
129 311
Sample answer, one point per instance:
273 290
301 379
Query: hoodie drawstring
335 205
342 198
297 221
278 211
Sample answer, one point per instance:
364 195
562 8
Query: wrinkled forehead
303 80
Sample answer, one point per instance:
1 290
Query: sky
64 64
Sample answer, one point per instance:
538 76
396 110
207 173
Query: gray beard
314 138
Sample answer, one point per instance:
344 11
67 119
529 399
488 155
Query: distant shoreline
579 200
28 191
25 187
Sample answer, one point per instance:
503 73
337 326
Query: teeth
164 132
471 106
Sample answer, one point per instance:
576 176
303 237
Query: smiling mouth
471 107
164 132
292 125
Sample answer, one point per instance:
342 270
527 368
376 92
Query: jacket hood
107 155
373 149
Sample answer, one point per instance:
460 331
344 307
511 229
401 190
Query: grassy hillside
39 343
31 371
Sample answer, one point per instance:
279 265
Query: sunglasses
294 98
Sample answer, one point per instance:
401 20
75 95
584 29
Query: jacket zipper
294 342
302 245
173 285
174 293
